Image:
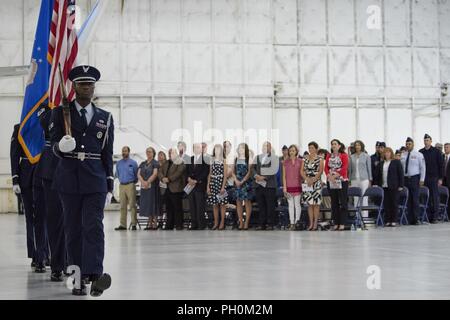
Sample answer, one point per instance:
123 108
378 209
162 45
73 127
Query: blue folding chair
356 192
443 205
424 197
325 193
375 193
403 205
282 210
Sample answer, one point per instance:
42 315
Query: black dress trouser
265 197
197 209
339 203
391 197
174 209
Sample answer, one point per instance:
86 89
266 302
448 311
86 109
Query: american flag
62 49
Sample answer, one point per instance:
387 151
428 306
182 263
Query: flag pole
65 103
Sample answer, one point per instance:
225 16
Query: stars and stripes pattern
62 49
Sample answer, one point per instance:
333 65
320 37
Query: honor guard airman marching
84 177
45 171
22 171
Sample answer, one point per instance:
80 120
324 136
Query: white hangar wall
166 63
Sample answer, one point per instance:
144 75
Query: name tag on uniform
100 125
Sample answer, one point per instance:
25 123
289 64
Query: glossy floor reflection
414 263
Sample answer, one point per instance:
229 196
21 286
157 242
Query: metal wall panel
10 24
426 67
107 59
167 121
227 119
11 55
370 69
314 128
30 17
286 64
137 116
136 21
198 63
342 66
229 64
398 127
138 62
109 29
197 121
167 62
371 127
338 129
425 23
313 65
445 119
10 110
444 66
258 122
444 23
286 122
426 124
197 20
312 22
259 64
166 20
366 35
227 21
341 22
398 68
397 22
258 20
285 21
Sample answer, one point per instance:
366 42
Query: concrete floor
414 263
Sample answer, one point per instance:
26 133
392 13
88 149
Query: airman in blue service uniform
22 171
84 177
45 171
433 178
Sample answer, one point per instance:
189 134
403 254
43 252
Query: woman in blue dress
242 176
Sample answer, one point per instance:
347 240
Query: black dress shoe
120 228
40 268
33 264
56 276
133 228
179 228
48 263
101 284
79 292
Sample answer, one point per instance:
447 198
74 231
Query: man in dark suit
446 167
433 178
197 177
172 175
84 178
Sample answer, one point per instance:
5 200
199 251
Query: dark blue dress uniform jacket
21 169
46 167
74 176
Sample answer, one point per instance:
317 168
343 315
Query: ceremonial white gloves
67 144
16 189
109 196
